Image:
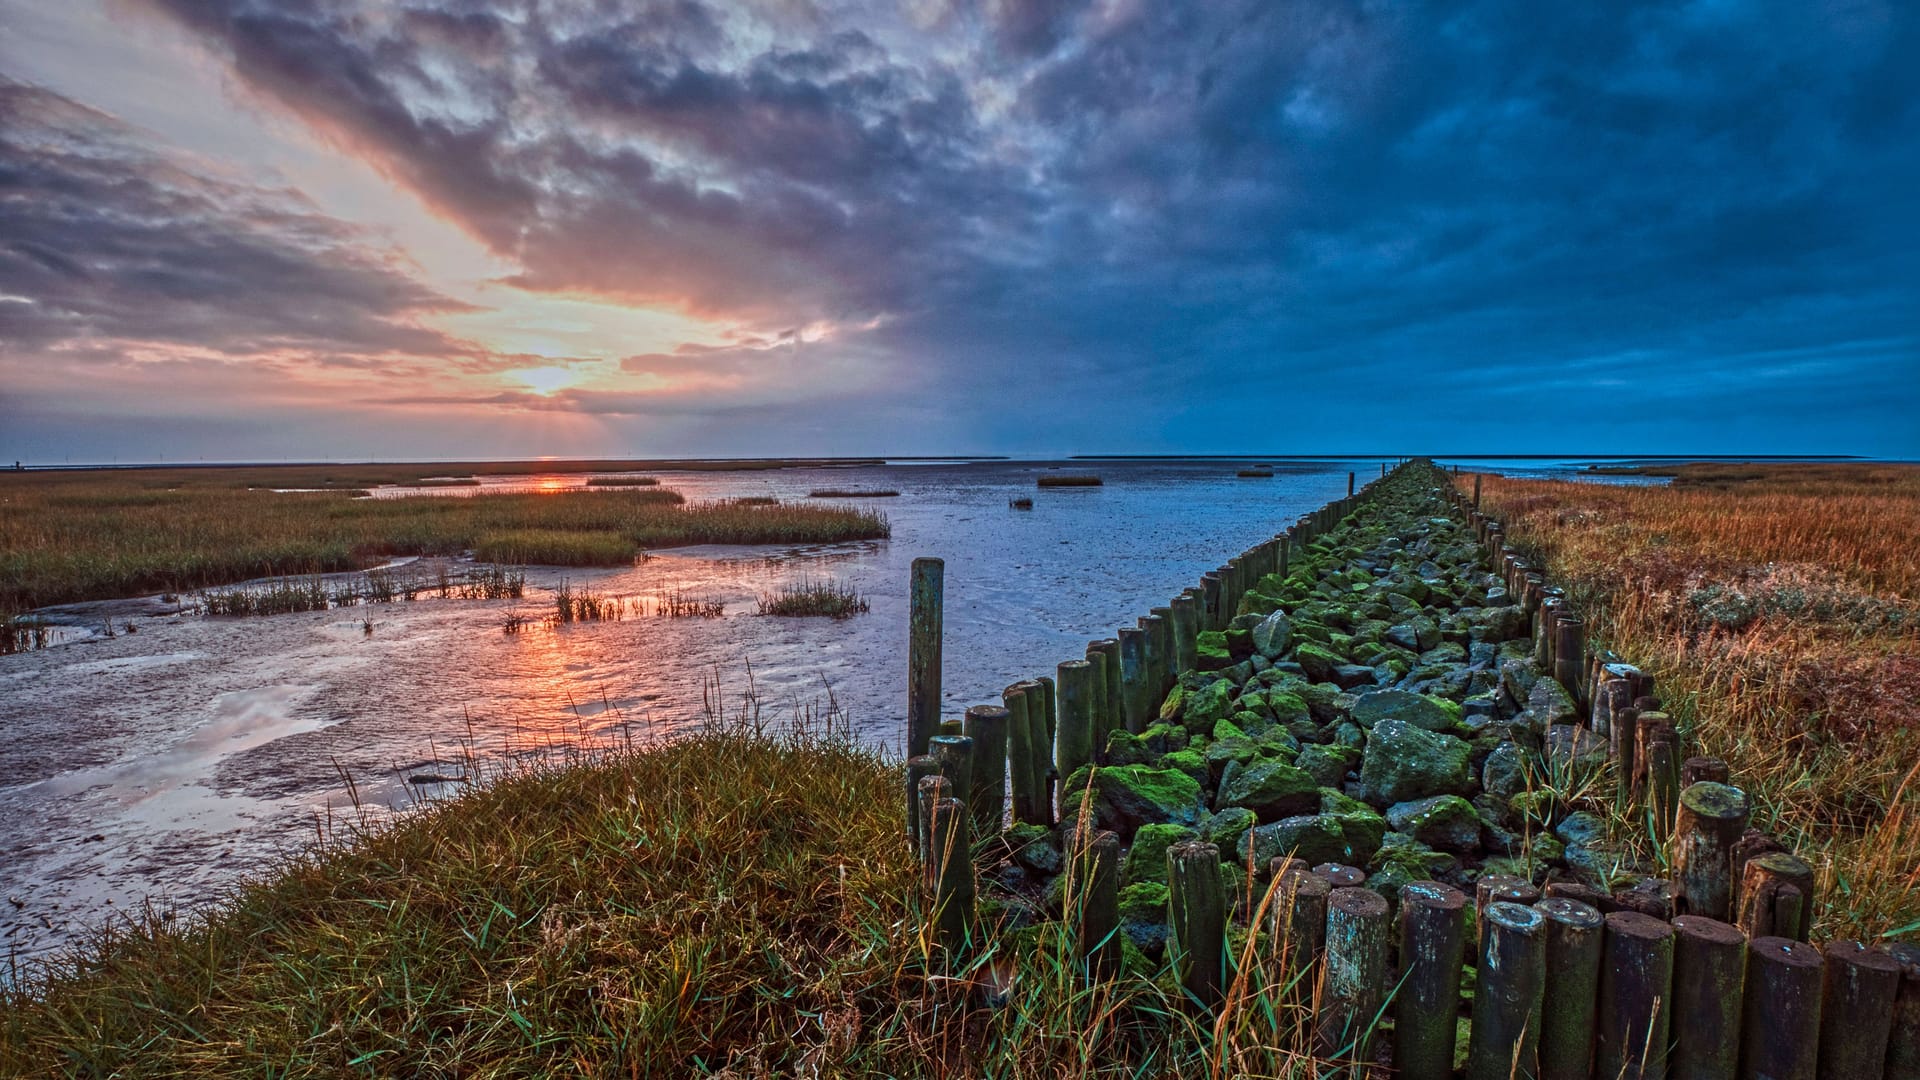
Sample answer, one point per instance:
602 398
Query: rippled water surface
166 762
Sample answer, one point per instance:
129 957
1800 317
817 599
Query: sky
352 229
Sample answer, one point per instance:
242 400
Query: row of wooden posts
1706 976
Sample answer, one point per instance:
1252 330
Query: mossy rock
1227 729
1210 650
1404 762
1033 847
1226 828
1420 710
1239 644
1327 764
1126 748
1318 661
1240 749
1442 822
1273 636
1317 838
1143 919
1163 738
1147 858
1272 789
1207 707
1128 796
1189 761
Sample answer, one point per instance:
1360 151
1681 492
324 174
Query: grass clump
554 547
815 598
1060 480
851 493
1776 606
681 604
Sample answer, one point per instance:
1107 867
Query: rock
1210 650
1147 858
1143 916
1403 762
1273 635
1430 713
1443 822
1225 829
1517 678
1129 796
1327 764
1192 762
1348 676
1573 746
1505 771
1239 644
1162 739
1317 838
1207 706
1272 789
1033 847
1580 828
1405 636
1125 748
1239 749
1548 703
1318 661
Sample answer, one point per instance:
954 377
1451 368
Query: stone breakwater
1375 708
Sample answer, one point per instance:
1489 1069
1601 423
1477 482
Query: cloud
110 247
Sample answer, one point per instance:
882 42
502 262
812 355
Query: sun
545 381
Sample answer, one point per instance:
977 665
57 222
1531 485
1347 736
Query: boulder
1505 771
1143 916
1273 635
1147 858
1403 762
1128 796
1576 747
1211 652
1318 661
1272 789
1317 838
1420 710
1225 830
1442 822
1328 764
1207 706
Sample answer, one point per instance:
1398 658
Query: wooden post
1116 692
1300 920
1476 491
986 725
1020 756
1856 1009
1349 485
1136 698
1903 1044
1356 978
1709 975
1432 941
918 769
1096 902
1697 770
952 873
932 790
1636 1002
1612 696
1098 699
1570 657
953 755
1197 918
1711 819
1574 933
1776 897
1185 631
1073 738
1338 876
1504 1043
1780 1014
1212 602
925 585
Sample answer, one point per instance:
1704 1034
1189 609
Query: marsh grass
814 598
382 586
1775 604
23 634
447 482
736 900
681 604
1061 480
67 537
622 481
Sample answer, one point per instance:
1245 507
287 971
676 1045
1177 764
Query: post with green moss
1299 925
1020 754
953 754
952 873
1186 630
926 584
1504 1042
1775 897
1856 1009
1570 658
1780 1012
986 725
1711 819
1636 995
1197 918
1433 921
1356 975
1136 702
1574 932
1212 602
1101 723
1039 695
1073 737
918 769
1709 976
1159 652
931 790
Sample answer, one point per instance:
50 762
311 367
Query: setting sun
547 381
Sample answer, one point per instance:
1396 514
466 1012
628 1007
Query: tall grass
818 598
67 537
1776 606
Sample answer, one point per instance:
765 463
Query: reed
814 598
1776 604
680 604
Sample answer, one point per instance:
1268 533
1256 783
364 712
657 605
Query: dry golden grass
1776 605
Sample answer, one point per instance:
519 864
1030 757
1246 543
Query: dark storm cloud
105 241
1143 204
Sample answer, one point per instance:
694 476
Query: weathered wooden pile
1356 741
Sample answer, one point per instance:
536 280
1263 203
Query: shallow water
167 762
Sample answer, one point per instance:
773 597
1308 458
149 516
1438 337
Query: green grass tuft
821 598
